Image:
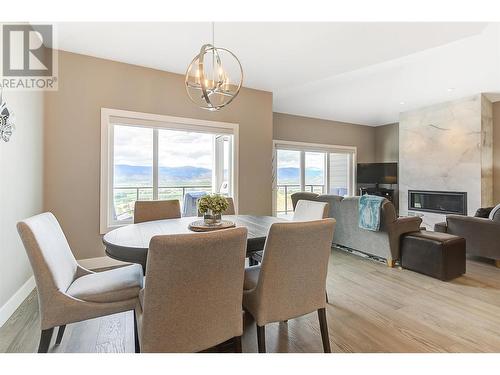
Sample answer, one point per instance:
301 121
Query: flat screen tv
377 173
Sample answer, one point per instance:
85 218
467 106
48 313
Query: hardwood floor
373 308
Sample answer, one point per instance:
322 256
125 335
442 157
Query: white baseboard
15 301
100 262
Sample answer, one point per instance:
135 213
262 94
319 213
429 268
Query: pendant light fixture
214 77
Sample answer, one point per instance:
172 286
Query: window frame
111 117
304 147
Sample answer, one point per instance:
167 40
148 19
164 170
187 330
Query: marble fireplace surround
447 147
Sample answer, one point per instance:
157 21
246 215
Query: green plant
215 202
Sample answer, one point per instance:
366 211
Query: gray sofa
383 244
482 235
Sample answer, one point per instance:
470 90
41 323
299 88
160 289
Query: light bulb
227 82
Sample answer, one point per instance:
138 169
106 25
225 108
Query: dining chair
302 195
304 211
192 302
229 210
308 210
156 210
67 292
291 280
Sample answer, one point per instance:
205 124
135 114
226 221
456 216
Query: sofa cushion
333 203
329 198
495 213
483 212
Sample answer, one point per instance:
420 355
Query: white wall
21 190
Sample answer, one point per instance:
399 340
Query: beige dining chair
67 292
191 301
291 280
304 211
156 210
229 210
309 210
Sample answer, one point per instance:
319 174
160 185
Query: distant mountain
138 175
291 175
186 172
288 174
134 175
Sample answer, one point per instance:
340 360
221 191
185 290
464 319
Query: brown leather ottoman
434 254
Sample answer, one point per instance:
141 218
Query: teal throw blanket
369 212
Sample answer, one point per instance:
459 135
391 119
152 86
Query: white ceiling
352 72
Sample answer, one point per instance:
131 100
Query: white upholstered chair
156 210
193 292
309 210
67 292
291 280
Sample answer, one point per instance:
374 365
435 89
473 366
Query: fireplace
442 202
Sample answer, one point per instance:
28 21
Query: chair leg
326 295
60 333
45 337
136 335
237 344
261 338
324 330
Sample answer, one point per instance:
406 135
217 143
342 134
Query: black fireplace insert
442 202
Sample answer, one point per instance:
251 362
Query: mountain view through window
184 164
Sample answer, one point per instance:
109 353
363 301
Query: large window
132 169
288 177
320 169
315 164
150 157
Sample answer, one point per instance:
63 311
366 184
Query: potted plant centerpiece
212 206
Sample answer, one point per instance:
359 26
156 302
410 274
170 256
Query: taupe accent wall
306 129
496 152
387 143
72 137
